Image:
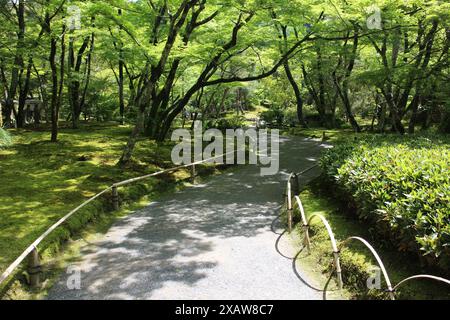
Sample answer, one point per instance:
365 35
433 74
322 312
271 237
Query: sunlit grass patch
41 181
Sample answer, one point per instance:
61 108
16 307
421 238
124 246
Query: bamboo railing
335 246
31 252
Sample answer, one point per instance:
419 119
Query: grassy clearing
357 262
42 181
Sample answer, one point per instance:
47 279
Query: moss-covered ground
42 181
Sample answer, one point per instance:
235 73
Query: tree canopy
149 62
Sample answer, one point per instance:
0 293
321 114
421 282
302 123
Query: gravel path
211 241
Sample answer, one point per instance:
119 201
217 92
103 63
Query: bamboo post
193 174
34 268
391 294
306 240
115 198
295 185
337 264
289 207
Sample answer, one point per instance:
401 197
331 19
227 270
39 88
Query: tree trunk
414 110
57 87
397 125
129 148
42 93
321 96
121 94
222 102
53 103
348 110
74 82
315 96
343 90
18 64
87 74
4 89
121 81
298 95
23 94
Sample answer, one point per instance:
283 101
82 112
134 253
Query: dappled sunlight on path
212 241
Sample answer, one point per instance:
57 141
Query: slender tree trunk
42 92
121 81
4 89
23 94
87 73
294 85
53 103
298 95
129 148
348 108
18 63
414 110
315 96
222 101
57 87
23 87
321 96
382 119
343 90
74 67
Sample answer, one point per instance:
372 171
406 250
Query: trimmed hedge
401 185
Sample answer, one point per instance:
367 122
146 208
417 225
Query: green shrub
273 117
5 139
278 117
402 186
290 117
232 122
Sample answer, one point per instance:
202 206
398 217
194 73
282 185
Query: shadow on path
210 241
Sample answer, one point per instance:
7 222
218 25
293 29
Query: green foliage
290 117
277 117
232 122
402 186
273 117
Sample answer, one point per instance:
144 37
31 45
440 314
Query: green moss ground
42 181
332 135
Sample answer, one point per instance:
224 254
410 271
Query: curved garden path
211 241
